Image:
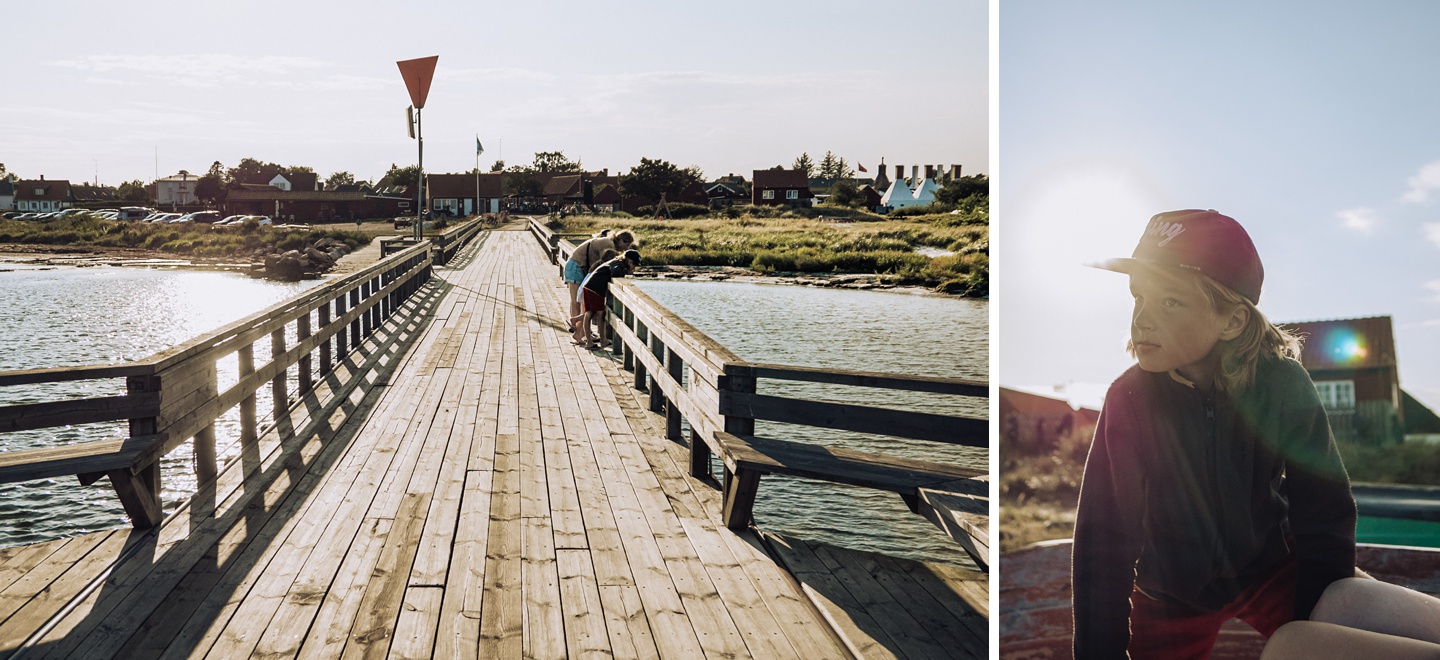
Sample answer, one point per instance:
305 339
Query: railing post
617 311
302 332
355 325
672 411
644 334
657 395
246 357
741 488
277 385
139 493
325 356
340 334
205 464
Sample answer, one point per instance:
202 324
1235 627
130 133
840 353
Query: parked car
134 213
69 212
162 217
403 221
11 215
204 217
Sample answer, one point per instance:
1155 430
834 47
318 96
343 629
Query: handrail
172 395
691 376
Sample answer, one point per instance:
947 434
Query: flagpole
477 175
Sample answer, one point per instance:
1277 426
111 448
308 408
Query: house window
1336 395
792 194
767 194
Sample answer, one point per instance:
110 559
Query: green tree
499 166
132 191
211 187
845 193
403 176
805 163
651 178
835 167
250 169
960 188
554 161
339 179
522 182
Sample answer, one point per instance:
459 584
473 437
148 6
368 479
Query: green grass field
795 242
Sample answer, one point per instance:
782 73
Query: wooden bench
924 485
131 464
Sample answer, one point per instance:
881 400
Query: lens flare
1346 347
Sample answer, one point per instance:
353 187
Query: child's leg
1380 607
581 334
1309 640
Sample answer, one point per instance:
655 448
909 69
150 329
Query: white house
177 190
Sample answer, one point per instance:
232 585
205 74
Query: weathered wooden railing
446 243
173 396
691 376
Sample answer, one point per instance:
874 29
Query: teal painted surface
1398 531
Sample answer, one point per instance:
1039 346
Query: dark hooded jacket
1191 498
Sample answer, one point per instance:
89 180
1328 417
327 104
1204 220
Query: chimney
929 171
42 177
914 174
954 171
899 172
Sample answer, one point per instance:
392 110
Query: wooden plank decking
484 489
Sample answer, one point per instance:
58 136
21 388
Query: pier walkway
482 489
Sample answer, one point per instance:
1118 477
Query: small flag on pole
478 148
862 167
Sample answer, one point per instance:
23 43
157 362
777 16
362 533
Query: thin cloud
1433 286
1360 219
198 70
1424 181
1432 232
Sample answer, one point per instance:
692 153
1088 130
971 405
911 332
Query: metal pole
420 205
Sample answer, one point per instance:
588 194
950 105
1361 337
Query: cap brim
1122 265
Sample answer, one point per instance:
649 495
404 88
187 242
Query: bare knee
1342 598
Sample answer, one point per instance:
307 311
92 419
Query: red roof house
41 195
1352 362
776 187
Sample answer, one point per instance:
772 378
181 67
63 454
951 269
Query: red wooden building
1352 362
777 187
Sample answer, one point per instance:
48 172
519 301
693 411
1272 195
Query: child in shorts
1213 488
593 291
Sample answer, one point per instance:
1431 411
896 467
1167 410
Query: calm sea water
67 316
898 333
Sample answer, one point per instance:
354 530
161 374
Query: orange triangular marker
417 74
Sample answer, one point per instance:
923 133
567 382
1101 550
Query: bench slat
79 458
857 468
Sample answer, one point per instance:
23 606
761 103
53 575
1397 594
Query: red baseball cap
1203 241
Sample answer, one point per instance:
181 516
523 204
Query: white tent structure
898 195
925 192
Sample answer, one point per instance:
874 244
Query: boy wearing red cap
1213 489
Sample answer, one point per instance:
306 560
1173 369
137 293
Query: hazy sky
730 87
1316 125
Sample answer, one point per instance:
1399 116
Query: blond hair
1257 340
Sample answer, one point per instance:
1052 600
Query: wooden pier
457 481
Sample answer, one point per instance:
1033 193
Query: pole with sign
418 74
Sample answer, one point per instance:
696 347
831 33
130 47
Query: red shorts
1160 630
591 301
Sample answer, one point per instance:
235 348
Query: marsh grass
791 241
196 240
